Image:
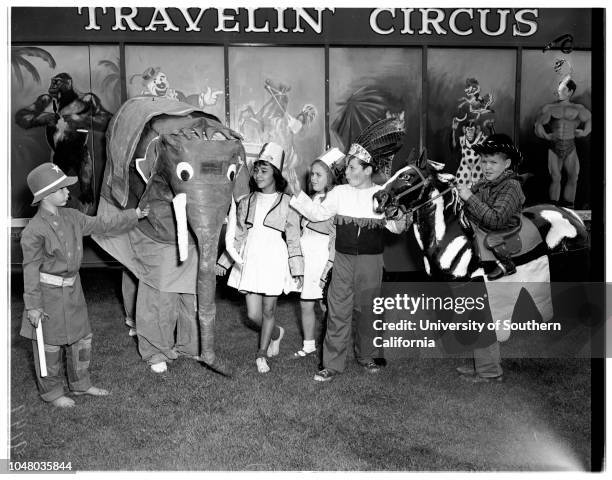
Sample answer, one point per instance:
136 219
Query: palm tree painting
106 75
364 106
111 83
18 61
369 84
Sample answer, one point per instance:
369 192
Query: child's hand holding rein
142 213
464 192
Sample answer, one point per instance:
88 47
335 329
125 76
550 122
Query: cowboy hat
500 143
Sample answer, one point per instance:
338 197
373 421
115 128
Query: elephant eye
231 172
184 171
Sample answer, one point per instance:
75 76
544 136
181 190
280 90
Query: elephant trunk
206 286
205 216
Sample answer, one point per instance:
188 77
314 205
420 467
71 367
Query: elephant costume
187 167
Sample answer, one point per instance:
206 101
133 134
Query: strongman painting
556 123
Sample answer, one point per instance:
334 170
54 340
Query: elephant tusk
179 203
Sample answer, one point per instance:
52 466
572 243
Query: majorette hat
331 156
274 154
500 143
46 179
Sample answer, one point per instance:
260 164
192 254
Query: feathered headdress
378 143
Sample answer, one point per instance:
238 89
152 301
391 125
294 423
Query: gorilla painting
68 116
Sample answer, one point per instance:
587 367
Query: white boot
160 367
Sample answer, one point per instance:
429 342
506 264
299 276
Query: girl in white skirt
317 242
266 264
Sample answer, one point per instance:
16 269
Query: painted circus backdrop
309 79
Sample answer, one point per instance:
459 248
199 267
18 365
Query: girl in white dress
317 242
266 264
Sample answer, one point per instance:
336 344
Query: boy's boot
505 265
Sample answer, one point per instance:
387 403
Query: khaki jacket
54 244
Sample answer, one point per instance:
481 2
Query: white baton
42 359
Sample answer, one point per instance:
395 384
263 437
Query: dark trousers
78 357
487 361
356 280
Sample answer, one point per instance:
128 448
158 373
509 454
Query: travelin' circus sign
383 21
530 27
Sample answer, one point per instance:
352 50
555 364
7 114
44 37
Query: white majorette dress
316 249
266 259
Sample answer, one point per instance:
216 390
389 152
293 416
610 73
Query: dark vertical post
424 94
227 84
122 72
327 133
517 95
597 258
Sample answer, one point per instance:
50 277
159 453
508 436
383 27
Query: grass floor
416 414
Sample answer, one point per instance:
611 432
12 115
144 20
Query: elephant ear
145 165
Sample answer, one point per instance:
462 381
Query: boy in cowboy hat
494 204
52 252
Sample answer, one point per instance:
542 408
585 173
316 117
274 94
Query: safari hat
331 156
500 143
46 179
274 154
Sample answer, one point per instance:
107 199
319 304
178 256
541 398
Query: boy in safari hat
52 245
